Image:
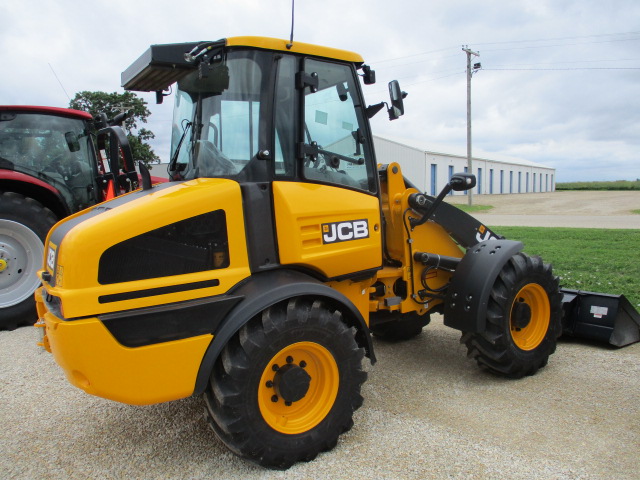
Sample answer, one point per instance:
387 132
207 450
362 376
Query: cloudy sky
559 85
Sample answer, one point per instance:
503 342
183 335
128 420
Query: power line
560 69
573 61
413 55
532 47
560 38
511 42
61 86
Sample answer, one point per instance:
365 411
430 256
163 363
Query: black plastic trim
165 323
259 226
150 292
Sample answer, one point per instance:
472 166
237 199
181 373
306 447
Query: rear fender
467 298
263 290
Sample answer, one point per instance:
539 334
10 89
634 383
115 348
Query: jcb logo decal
483 234
51 257
344 231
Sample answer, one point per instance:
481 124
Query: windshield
54 149
216 121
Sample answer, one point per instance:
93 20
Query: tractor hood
117 255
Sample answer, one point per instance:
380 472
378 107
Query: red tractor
51 166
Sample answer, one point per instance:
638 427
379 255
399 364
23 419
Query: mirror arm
414 222
372 110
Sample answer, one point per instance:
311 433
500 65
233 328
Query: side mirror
397 96
72 141
462 181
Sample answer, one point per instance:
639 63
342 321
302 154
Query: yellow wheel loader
256 277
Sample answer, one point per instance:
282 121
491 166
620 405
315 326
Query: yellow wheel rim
530 336
301 415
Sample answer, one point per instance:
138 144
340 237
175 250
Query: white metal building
429 169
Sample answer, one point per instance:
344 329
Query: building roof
457 151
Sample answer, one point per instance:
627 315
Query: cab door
327 211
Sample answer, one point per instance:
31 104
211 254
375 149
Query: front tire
24 224
287 384
524 319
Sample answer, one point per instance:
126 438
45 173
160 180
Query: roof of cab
295 47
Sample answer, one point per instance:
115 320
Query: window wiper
174 159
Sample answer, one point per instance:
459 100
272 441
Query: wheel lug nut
288 404
289 359
274 398
269 384
303 364
275 367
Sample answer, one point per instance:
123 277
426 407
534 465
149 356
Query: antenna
61 86
293 6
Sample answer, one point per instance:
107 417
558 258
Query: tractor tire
396 326
524 319
287 384
24 224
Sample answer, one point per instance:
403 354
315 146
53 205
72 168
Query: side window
335 144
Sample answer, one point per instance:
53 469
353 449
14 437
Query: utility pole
470 72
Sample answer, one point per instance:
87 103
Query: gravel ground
559 209
429 412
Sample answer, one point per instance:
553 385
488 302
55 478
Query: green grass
473 208
637 212
595 260
617 185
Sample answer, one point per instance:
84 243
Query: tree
114 103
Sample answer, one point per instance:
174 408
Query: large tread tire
396 326
511 346
243 406
24 224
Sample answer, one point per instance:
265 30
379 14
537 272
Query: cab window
336 150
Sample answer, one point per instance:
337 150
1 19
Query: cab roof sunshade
159 67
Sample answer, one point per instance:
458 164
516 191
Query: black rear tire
24 224
524 319
396 326
287 384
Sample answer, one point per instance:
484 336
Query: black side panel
187 246
467 298
464 228
258 217
165 323
265 289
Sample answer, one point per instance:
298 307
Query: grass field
594 260
618 185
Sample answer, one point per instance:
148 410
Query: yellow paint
357 292
529 337
302 208
428 237
79 253
95 362
304 414
297 47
